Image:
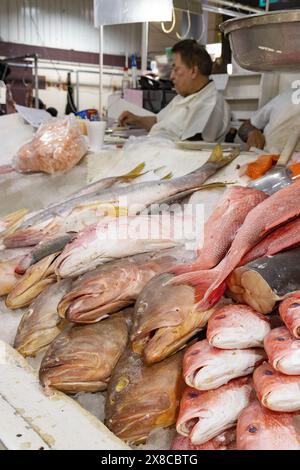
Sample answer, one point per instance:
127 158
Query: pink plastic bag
57 146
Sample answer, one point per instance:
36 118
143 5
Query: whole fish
237 327
262 283
274 211
82 358
136 196
36 279
276 391
287 236
40 325
261 429
42 250
289 311
207 368
221 227
283 351
225 441
165 319
116 238
141 399
116 285
205 415
8 277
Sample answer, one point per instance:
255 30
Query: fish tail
13 220
218 156
133 174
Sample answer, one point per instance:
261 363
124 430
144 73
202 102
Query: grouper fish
136 197
40 325
36 279
265 281
116 285
165 319
141 399
261 429
82 358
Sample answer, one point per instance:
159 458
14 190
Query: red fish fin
212 299
185 268
201 279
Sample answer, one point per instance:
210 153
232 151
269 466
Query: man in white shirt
198 110
271 125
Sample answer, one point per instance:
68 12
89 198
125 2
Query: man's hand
128 118
256 139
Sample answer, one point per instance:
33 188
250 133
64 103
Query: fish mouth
71 378
35 280
136 429
38 342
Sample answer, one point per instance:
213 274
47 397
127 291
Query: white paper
131 11
35 117
116 108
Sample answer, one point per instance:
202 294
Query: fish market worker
271 125
199 111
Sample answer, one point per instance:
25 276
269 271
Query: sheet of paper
35 117
117 107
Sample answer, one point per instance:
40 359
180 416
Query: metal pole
237 5
36 80
267 5
145 36
77 89
101 69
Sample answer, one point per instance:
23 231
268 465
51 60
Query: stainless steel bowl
266 42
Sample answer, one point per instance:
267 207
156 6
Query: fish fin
218 156
133 174
169 176
202 279
13 220
184 268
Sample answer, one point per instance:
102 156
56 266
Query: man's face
182 76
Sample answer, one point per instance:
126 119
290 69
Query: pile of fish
146 320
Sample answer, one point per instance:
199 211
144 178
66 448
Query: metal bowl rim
282 16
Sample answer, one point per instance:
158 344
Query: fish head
141 399
34 281
82 357
100 293
166 317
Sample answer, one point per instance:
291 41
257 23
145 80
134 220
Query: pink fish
289 311
205 415
207 368
283 351
274 211
277 391
221 227
225 441
261 429
281 239
237 327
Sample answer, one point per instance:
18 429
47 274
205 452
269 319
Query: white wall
65 24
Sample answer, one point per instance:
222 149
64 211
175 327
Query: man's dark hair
192 54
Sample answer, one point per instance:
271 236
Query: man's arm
253 136
146 122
